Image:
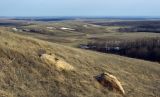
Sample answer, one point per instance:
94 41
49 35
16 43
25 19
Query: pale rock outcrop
111 82
56 62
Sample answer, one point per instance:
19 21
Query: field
81 33
25 72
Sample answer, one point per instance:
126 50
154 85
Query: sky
80 8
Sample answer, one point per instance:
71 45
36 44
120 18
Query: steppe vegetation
37 61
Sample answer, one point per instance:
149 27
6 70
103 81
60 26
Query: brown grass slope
24 74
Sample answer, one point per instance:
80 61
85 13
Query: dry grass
82 34
26 75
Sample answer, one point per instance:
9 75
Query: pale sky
80 8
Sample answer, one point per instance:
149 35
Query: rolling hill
27 70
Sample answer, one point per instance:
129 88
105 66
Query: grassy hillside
82 34
24 74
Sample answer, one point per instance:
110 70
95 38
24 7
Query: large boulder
55 62
111 82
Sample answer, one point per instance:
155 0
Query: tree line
148 49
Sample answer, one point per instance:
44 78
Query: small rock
14 29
